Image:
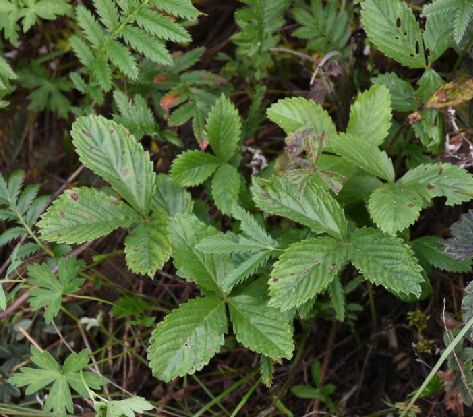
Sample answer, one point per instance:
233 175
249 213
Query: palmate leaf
109 150
305 269
261 328
223 128
47 290
83 214
386 260
225 187
71 375
312 206
370 115
148 247
442 180
396 206
186 340
392 27
206 270
431 251
363 154
291 114
192 167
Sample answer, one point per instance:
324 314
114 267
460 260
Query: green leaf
337 298
171 197
83 214
305 269
261 328
392 27
135 115
460 12
312 206
244 269
223 128
326 28
221 243
109 150
363 154
186 340
152 48
401 92
192 168
252 229
295 113
386 260
370 115
148 247
396 206
460 245
442 180
163 27
206 270
127 407
71 375
431 251
225 187
179 8
437 35
47 290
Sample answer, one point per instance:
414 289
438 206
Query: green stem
446 353
245 398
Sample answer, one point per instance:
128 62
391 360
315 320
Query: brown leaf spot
74 196
169 101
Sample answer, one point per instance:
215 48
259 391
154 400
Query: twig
30 339
325 363
295 53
